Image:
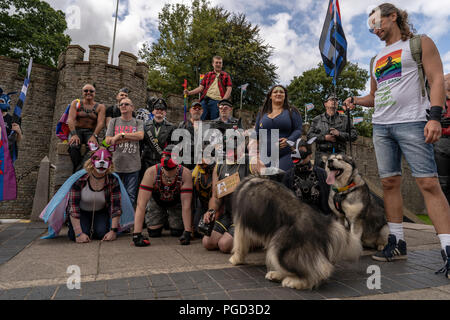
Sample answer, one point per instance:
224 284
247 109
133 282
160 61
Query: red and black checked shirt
224 82
112 195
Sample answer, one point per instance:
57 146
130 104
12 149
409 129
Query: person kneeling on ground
95 200
165 193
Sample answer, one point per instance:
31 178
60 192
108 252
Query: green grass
425 218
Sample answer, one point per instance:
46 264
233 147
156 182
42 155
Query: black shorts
224 224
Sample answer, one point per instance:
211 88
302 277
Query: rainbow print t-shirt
398 97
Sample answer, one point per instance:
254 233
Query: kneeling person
165 193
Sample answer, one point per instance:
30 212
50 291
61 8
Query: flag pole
114 36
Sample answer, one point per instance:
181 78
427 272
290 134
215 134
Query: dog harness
339 196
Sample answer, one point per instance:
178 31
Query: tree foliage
313 86
191 35
32 28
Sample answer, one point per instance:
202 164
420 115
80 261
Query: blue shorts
393 140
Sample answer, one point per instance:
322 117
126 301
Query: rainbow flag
201 77
389 66
8 185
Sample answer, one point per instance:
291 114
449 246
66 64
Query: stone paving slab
248 283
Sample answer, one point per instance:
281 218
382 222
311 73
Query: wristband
352 100
77 235
73 132
436 113
115 230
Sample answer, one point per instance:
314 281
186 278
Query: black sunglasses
124 104
91 91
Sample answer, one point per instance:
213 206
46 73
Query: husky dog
351 201
302 244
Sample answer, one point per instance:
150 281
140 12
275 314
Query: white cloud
292 28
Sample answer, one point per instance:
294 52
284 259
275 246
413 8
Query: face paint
101 160
374 21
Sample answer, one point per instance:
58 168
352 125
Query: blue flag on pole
309 106
333 45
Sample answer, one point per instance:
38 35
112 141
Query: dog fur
366 218
302 244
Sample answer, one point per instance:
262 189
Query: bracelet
77 235
436 113
73 132
352 100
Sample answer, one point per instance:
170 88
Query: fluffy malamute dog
351 201
302 244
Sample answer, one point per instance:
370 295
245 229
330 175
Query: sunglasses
86 91
125 104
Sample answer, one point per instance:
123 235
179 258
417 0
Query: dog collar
351 185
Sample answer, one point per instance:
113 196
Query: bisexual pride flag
8 186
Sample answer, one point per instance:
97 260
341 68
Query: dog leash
339 197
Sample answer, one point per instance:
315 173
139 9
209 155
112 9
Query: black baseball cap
225 102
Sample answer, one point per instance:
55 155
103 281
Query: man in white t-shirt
401 125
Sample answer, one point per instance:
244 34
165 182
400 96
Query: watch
115 230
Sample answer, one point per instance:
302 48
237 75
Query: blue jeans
130 182
210 109
393 140
102 223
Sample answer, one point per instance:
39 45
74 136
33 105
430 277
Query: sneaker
446 256
392 251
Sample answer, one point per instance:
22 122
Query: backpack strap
371 64
415 46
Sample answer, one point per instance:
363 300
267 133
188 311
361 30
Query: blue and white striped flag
18 109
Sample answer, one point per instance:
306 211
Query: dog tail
344 245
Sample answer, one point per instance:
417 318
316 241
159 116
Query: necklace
91 185
168 179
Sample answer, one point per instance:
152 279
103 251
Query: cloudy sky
292 28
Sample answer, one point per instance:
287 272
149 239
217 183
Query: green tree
313 86
191 35
32 28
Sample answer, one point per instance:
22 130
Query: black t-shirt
8 119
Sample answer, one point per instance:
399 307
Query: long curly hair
407 30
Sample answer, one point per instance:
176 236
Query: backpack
415 46
62 128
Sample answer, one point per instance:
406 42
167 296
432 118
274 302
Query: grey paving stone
254 294
217 296
93 287
285 294
15 294
140 282
160 280
190 292
186 285
218 275
334 289
408 281
431 279
199 276
390 286
253 271
236 273
41 293
64 292
360 285
211 289
197 297
165 288
117 284
122 297
143 294
310 295
167 294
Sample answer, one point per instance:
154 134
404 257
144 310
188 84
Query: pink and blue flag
357 120
309 107
8 185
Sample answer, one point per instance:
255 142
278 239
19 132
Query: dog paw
295 283
274 276
235 260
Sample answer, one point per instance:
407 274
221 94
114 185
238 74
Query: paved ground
36 269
